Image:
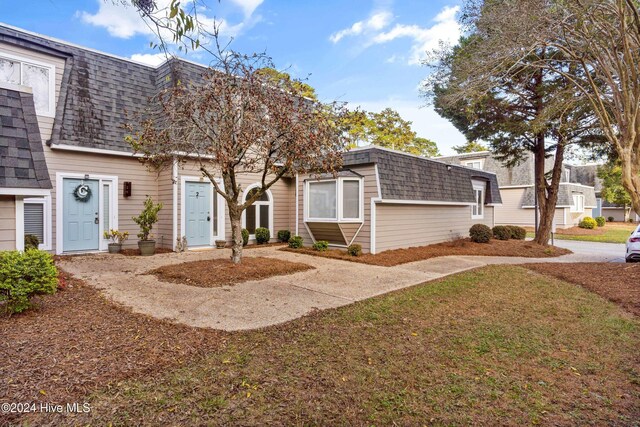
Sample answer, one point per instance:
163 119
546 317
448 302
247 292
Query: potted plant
145 221
220 244
117 238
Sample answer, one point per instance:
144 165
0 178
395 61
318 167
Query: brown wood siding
511 211
144 183
370 191
402 226
7 223
329 231
350 229
45 123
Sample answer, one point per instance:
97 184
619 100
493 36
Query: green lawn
610 233
500 345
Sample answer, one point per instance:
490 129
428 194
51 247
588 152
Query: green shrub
284 235
263 235
517 233
31 241
588 223
501 232
23 275
245 236
610 219
147 218
480 233
321 245
295 242
354 249
601 221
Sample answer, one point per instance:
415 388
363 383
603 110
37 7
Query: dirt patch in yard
221 272
619 283
136 252
76 340
511 248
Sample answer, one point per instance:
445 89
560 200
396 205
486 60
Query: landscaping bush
321 245
480 233
600 221
501 232
518 233
610 219
295 242
31 241
263 235
245 236
284 235
354 249
23 275
588 223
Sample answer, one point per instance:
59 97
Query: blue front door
198 215
80 216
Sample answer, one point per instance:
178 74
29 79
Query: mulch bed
136 252
577 231
76 341
619 283
264 245
512 248
221 272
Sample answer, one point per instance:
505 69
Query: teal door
80 216
198 213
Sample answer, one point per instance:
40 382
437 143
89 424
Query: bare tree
235 122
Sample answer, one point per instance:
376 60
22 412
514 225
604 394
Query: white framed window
334 200
40 77
37 220
567 175
578 203
476 164
477 209
260 213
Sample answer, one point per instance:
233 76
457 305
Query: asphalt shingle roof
22 162
408 177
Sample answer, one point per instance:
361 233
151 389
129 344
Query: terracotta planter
147 247
115 248
221 244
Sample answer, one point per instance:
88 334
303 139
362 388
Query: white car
633 246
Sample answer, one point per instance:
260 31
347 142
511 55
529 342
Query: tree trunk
235 216
547 194
631 177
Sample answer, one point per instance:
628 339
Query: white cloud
423 39
426 122
376 22
125 21
153 59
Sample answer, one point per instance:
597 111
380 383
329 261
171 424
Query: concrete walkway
266 302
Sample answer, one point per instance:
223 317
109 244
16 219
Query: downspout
174 185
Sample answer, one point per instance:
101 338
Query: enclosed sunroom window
333 200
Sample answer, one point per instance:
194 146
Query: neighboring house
62 111
588 175
576 199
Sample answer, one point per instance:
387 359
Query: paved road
594 251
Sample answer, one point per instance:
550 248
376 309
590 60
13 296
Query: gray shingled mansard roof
407 177
22 162
99 93
566 191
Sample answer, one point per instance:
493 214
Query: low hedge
284 235
295 242
245 237
601 221
517 233
354 249
263 235
588 223
23 275
321 245
501 232
480 233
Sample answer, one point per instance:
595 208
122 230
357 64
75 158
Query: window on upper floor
39 77
567 175
578 203
476 164
477 209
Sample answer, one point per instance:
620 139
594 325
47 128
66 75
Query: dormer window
38 76
476 164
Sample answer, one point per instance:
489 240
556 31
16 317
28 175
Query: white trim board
24 192
19 202
270 203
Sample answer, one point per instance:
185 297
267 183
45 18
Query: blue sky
361 51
